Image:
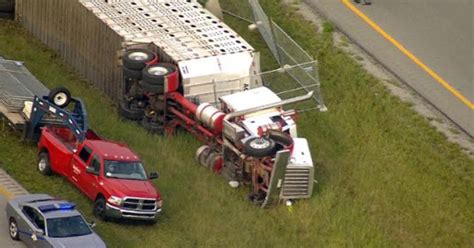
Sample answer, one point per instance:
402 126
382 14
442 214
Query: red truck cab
108 173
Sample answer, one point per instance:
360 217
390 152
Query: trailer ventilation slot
297 183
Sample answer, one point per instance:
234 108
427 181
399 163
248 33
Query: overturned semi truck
181 67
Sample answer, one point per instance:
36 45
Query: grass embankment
386 177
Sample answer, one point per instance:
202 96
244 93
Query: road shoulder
393 83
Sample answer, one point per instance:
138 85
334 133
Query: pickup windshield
125 170
67 227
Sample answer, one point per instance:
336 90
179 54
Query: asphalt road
9 188
5 240
438 33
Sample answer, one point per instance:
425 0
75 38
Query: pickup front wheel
44 166
99 209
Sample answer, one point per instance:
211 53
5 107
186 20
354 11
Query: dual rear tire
141 64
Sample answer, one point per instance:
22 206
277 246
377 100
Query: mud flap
276 180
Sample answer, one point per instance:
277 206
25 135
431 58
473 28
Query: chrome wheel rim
13 229
42 164
60 98
138 56
260 143
158 71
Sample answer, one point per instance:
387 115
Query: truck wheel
202 153
160 78
44 165
60 97
99 209
13 229
153 127
128 111
214 162
133 74
260 147
137 59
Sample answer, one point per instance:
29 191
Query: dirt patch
396 87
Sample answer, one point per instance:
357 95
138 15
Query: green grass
386 177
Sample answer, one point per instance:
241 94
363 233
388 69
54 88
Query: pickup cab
108 173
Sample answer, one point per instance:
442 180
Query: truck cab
291 176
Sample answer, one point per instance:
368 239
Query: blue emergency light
57 206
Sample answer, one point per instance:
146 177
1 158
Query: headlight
159 203
115 200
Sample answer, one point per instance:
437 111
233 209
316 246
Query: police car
40 220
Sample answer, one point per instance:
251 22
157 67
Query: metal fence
287 52
279 80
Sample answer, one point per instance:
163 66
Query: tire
60 97
126 111
133 74
7 6
156 78
281 137
153 127
213 162
260 147
201 153
137 59
100 209
13 229
44 164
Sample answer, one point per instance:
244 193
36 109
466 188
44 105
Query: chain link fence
279 80
287 52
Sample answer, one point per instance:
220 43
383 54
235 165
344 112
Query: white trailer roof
181 28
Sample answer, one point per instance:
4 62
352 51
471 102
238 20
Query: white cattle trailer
203 47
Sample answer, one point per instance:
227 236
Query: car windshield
125 170
67 227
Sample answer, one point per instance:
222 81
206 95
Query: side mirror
36 234
90 169
153 175
92 224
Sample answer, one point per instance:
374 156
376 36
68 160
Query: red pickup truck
109 173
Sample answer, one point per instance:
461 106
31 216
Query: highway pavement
428 44
9 188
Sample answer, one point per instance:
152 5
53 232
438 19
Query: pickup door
87 182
